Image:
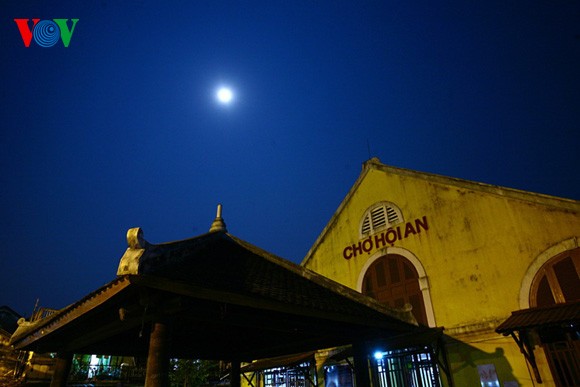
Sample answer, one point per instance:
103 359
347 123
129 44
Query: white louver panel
366 227
380 216
392 215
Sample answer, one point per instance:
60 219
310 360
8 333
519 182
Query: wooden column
61 369
157 374
361 365
235 374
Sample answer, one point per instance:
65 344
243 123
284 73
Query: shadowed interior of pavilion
215 297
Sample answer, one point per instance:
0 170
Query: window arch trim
423 280
536 265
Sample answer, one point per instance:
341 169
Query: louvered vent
380 216
366 227
392 215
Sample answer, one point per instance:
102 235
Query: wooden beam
179 287
527 349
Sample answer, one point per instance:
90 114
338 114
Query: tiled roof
222 262
224 296
559 314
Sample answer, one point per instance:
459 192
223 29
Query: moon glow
225 95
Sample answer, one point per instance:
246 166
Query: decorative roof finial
218 224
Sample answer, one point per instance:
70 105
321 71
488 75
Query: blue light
378 355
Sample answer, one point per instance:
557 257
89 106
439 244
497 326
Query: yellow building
464 256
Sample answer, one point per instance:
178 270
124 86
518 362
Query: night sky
122 128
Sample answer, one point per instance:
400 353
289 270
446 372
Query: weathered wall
475 243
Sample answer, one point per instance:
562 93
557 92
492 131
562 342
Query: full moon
225 95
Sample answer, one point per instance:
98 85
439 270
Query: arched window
393 280
558 280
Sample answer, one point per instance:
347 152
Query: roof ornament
218 223
135 238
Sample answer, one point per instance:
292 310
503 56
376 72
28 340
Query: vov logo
46 33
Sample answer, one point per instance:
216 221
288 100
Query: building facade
464 256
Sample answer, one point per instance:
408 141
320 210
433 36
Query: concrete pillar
61 369
361 365
157 374
236 374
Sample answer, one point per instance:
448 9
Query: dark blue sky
121 129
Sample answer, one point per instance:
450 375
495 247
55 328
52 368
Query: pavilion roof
225 299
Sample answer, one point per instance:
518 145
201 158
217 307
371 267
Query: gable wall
480 243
